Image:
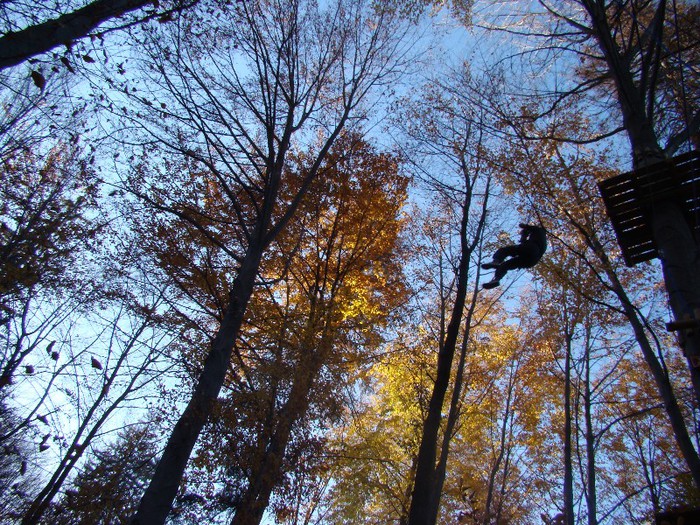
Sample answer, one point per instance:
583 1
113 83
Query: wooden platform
629 198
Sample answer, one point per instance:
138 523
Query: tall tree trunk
452 417
455 402
157 500
568 460
663 382
268 473
406 502
429 477
16 47
503 450
658 372
591 496
679 256
676 245
422 500
660 375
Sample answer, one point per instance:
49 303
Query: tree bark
663 382
591 495
678 252
157 500
16 47
452 417
673 236
422 502
455 402
658 372
406 502
503 452
267 474
640 130
569 517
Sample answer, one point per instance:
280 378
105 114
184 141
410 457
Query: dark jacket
535 238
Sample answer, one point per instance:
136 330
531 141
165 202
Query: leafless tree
117 365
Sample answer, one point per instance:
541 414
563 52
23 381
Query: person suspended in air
525 254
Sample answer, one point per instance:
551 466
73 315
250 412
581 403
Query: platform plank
630 197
